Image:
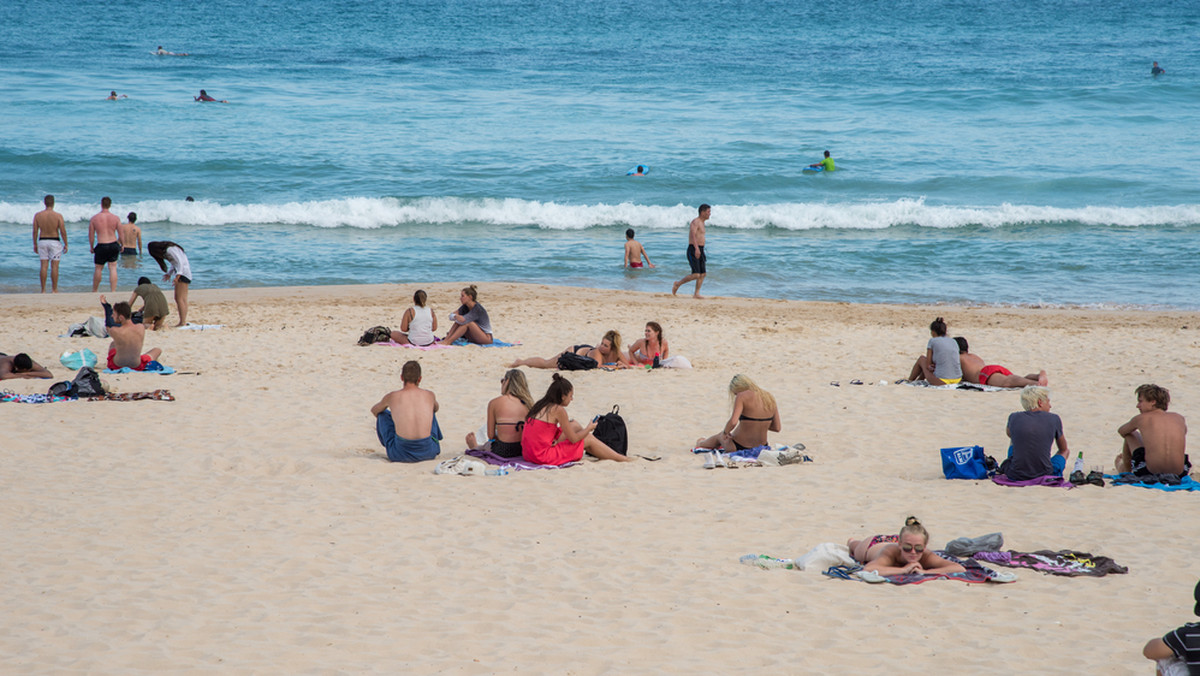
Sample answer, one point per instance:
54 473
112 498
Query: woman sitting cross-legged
552 438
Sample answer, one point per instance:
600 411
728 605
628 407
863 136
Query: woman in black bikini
754 414
900 554
506 417
608 353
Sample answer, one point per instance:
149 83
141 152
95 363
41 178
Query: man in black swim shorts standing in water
695 251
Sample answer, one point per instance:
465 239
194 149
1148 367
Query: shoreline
216 294
254 524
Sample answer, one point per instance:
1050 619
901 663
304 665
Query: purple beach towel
512 463
1053 481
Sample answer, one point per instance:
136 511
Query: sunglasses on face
913 548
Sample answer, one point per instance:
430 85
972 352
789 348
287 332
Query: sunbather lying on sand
608 353
907 552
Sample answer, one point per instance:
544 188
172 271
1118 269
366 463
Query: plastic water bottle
767 562
499 471
1078 463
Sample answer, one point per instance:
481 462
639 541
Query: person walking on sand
102 240
695 251
49 241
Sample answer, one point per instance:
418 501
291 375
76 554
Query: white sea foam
370 213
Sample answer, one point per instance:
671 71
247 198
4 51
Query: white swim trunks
49 249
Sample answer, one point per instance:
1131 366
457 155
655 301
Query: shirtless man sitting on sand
1155 440
21 366
127 340
974 371
406 419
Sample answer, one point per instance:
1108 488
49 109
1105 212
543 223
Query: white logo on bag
963 455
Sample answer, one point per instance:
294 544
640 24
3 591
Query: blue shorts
400 449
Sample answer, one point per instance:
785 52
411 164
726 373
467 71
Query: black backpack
610 429
569 361
87 383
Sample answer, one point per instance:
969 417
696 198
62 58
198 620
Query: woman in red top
552 438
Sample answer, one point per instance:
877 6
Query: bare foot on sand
1042 379
675 288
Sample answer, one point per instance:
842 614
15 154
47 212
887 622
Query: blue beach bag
964 462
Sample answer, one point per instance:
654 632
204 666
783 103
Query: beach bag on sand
78 360
87 383
610 429
569 361
375 334
964 462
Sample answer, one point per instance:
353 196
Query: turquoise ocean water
1012 153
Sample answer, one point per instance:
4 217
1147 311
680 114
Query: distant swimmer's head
106 202
203 93
189 198
826 153
113 93
629 233
705 209
938 327
143 280
48 200
131 217
419 298
160 48
642 169
962 345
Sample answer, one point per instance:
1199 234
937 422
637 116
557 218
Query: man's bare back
104 225
127 340
1164 436
130 236
412 410
50 224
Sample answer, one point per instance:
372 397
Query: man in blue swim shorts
695 252
406 419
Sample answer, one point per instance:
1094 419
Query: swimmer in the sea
205 98
162 52
641 171
112 96
826 164
634 252
1156 71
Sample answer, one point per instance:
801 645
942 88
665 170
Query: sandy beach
254 524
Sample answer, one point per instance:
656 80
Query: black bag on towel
569 361
610 429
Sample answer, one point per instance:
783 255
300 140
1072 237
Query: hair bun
912 521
